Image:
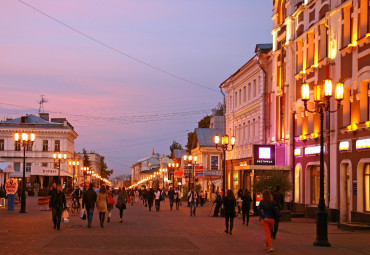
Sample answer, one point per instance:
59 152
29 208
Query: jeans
171 203
157 204
245 212
90 214
231 220
120 213
267 225
275 229
193 207
150 204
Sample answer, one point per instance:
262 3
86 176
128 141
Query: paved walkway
164 232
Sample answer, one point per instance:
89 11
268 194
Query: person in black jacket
229 206
57 204
171 197
279 200
150 198
89 200
246 205
218 202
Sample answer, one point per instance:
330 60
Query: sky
129 75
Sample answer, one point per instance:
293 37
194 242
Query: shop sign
362 144
179 173
11 186
243 163
344 146
298 152
212 173
313 150
264 154
198 170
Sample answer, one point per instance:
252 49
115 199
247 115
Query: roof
205 136
33 120
263 47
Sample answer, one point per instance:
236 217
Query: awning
6 167
261 167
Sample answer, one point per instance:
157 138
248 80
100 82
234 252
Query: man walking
53 189
171 197
89 200
218 202
158 197
192 196
57 204
279 200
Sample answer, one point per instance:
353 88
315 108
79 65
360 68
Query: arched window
281 10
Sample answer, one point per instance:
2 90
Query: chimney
24 119
44 116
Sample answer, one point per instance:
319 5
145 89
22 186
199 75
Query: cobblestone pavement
164 232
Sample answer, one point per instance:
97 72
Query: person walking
158 198
101 204
145 197
110 205
266 211
246 205
132 196
121 202
151 197
177 198
57 204
171 197
229 207
239 201
89 200
76 195
279 201
192 198
52 190
218 202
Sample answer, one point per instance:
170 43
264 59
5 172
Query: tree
104 173
86 159
175 145
269 179
205 122
189 145
218 110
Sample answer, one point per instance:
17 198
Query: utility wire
116 50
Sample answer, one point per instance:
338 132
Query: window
315 185
253 130
244 94
29 147
364 102
57 145
240 96
1 144
249 131
214 162
310 49
254 88
346 26
367 187
363 18
17 166
28 167
249 91
236 100
323 52
44 164
17 146
45 145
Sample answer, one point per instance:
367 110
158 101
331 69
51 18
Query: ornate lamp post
188 159
60 158
224 147
163 170
74 163
322 104
26 141
172 168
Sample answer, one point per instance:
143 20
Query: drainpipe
263 100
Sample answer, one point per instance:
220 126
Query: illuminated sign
243 163
344 146
263 154
313 150
298 152
362 144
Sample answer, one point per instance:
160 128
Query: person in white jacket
192 196
158 198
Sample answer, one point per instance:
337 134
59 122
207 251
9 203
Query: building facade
54 136
314 41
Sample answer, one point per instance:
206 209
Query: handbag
83 214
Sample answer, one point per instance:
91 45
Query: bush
269 179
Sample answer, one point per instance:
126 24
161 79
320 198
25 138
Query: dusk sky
86 68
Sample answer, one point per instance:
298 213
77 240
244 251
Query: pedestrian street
163 232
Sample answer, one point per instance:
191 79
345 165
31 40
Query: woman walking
266 211
101 204
239 201
246 205
229 206
110 205
177 198
121 202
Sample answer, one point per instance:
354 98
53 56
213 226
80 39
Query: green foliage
205 122
104 172
175 145
86 159
218 110
189 145
269 179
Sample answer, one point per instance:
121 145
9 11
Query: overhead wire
118 51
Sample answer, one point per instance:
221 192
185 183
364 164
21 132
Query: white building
55 136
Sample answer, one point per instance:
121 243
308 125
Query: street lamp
188 159
171 168
73 163
26 141
59 157
224 147
322 104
